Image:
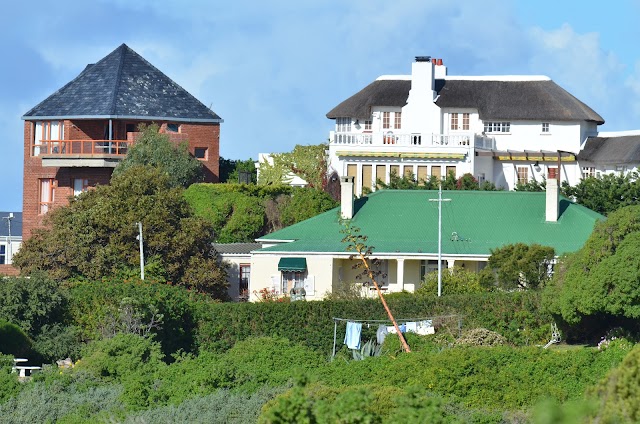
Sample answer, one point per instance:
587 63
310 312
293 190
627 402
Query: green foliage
409 182
9 385
57 341
367 350
94 305
230 170
517 316
454 281
521 266
308 162
601 279
305 203
619 393
607 193
532 185
242 213
31 302
13 341
156 150
95 236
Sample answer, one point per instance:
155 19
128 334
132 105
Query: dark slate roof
16 224
123 85
541 100
611 150
236 248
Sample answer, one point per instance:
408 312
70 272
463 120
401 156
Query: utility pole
440 200
139 237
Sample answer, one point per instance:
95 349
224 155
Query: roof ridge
122 49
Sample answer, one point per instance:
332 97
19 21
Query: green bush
13 341
57 341
32 302
517 316
454 281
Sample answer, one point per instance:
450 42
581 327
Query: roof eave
134 117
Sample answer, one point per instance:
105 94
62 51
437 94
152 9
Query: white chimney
552 202
440 70
422 80
421 111
346 197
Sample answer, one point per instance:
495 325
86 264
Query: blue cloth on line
352 336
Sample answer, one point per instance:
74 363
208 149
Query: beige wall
233 273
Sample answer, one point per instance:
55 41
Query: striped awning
292 264
413 155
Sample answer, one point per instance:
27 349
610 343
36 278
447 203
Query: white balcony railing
467 140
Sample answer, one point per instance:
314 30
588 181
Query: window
397 123
367 125
451 170
545 127
621 168
47 194
3 254
343 124
243 283
173 128
497 127
80 185
454 121
46 130
385 120
588 171
292 279
200 153
429 266
522 173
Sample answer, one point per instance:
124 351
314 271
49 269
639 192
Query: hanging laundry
412 327
381 333
352 335
425 327
403 328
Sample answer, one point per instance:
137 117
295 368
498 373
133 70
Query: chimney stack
346 197
552 200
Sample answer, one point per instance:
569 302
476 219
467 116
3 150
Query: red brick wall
198 135
9 270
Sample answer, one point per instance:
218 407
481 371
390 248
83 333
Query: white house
10 240
505 129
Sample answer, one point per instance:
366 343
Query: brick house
76 136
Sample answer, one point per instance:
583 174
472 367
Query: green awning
292 264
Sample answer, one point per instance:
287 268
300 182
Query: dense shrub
93 303
57 341
517 316
454 281
13 341
480 337
31 302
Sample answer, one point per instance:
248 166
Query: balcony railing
414 140
81 148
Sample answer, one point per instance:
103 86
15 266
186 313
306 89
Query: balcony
81 153
413 140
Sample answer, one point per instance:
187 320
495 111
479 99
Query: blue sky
272 70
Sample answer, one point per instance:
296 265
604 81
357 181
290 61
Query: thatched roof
611 150
541 100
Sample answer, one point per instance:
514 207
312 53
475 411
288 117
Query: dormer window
367 125
343 124
459 121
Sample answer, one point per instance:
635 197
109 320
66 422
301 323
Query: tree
95 236
454 281
409 182
155 149
230 170
307 162
304 203
607 193
520 266
601 279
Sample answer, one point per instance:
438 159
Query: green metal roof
292 264
473 223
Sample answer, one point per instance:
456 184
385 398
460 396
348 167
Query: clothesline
382 321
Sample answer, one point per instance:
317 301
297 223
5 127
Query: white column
400 274
450 263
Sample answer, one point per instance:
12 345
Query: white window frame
46 194
397 120
45 130
495 127
368 124
4 259
526 172
546 128
343 124
298 278
80 185
588 171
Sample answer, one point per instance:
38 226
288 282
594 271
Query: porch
390 138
